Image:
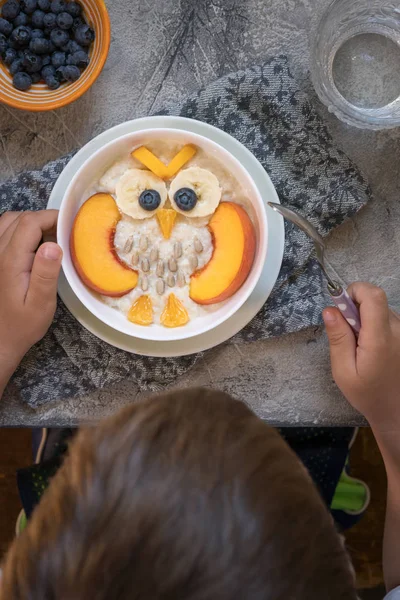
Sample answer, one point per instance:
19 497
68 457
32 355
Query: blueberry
28 6
5 27
185 198
10 10
48 71
72 73
64 20
74 8
44 5
50 21
39 46
78 21
22 81
60 74
74 47
36 77
58 6
58 59
32 62
16 66
79 59
59 37
38 18
3 44
52 82
46 60
84 35
9 56
149 199
21 36
37 34
22 19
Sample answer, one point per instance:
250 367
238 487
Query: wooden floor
15 452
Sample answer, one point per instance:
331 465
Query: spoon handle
348 309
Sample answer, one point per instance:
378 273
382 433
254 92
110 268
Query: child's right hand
367 370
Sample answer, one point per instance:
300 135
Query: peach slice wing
234 249
92 248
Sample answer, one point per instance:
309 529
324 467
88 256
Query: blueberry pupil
149 199
185 198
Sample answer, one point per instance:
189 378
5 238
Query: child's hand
28 281
368 370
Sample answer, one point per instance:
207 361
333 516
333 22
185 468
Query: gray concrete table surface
165 49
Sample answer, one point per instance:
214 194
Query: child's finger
8 223
44 276
28 233
342 343
374 312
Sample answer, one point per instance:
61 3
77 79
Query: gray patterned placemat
265 109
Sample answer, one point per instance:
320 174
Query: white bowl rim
180 333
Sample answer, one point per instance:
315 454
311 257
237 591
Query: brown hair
186 496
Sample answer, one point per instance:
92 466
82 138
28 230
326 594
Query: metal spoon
339 295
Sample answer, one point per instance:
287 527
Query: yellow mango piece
154 164
180 160
174 313
141 311
166 219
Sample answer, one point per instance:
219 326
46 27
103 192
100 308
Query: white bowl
90 172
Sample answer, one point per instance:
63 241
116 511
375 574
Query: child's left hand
28 281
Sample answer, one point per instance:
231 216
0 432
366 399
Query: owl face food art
165 236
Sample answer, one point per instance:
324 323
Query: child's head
187 496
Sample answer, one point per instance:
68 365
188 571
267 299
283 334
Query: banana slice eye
195 192
139 193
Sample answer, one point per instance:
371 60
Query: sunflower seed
177 250
180 279
154 255
172 265
198 246
128 244
193 262
143 243
135 258
144 283
160 286
160 268
170 280
145 265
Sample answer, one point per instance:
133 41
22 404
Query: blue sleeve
393 595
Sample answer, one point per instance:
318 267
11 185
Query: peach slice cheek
92 248
232 259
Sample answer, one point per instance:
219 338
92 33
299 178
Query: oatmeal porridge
172 235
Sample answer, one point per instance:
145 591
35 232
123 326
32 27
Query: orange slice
166 219
154 164
180 160
174 313
141 311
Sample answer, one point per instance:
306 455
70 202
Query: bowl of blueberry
51 51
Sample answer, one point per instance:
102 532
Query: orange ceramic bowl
40 97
